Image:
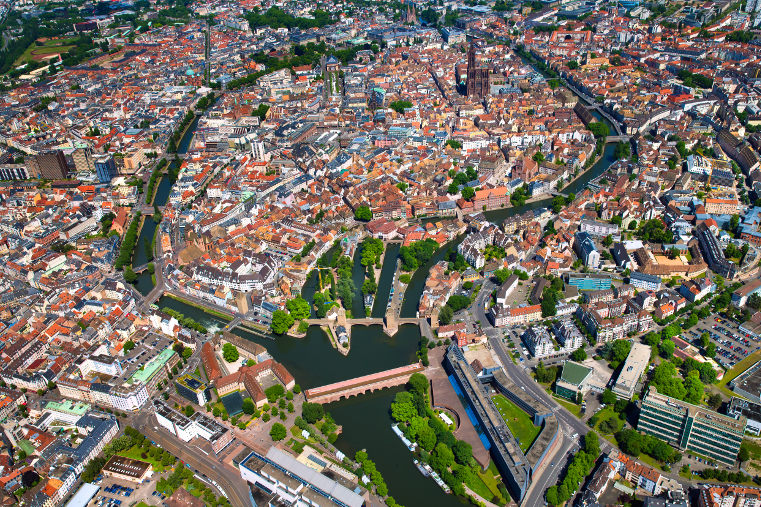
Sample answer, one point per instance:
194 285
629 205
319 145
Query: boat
410 445
420 468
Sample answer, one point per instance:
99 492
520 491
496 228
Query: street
235 488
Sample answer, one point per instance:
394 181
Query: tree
714 401
573 64
468 193
230 352
418 383
744 454
426 438
607 240
608 397
445 315
278 432
463 452
666 349
552 495
248 406
129 275
363 213
281 322
312 412
403 409
128 345
400 105
298 308
711 350
502 275
579 354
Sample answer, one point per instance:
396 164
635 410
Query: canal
385 280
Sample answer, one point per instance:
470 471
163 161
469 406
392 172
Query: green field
519 422
50 47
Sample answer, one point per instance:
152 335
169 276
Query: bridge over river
361 385
390 322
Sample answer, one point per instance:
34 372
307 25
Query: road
235 488
568 423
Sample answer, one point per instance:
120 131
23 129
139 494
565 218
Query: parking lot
732 345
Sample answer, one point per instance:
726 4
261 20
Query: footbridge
361 385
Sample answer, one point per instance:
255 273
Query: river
313 362
144 283
365 419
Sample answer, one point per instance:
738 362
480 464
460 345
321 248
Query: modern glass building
191 388
691 427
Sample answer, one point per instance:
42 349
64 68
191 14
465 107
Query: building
127 469
714 254
105 168
247 378
83 160
715 206
210 363
188 428
477 81
691 427
644 281
748 383
13 172
50 165
728 495
634 367
695 290
599 229
193 389
741 295
740 407
699 165
286 480
573 380
589 281
503 316
586 250
568 334
538 342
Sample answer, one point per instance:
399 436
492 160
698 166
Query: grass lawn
520 423
51 47
572 407
491 478
135 453
477 484
736 370
142 504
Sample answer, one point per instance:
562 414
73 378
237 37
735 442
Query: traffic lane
548 477
237 493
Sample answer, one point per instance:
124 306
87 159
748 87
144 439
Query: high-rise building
83 161
691 427
49 165
105 167
478 77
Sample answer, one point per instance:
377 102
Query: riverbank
201 307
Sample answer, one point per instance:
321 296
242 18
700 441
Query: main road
235 488
568 423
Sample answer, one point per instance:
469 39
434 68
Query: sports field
49 47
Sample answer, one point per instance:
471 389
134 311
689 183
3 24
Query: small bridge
361 385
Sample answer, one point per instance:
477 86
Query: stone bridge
361 385
389 322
